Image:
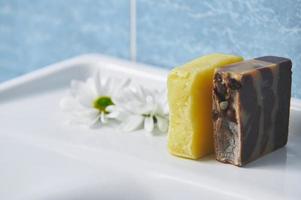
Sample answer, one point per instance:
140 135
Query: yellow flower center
101 103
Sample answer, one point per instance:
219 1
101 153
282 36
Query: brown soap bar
251 102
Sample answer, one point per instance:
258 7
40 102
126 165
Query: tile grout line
133 41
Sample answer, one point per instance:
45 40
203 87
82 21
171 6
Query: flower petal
149 124
106 86
103 118
94 123
88 117
89 114
132 123
97 82
119 88
162 124
85 100
82 92
90 84
68 104
125 82
114 112
78 87
138 92
113 115
111 108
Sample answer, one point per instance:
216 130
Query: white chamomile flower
140 107
89 100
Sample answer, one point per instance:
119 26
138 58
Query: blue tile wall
170 33
34 33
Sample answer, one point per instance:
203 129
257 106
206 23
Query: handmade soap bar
190 102
251 102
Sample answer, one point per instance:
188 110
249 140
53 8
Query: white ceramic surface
41 157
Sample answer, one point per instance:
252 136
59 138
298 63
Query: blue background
35 33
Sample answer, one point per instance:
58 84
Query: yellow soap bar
190 100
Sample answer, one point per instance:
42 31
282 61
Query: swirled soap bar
190 102
251 108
